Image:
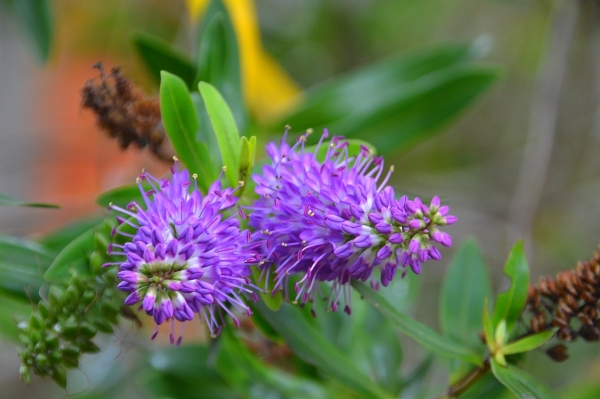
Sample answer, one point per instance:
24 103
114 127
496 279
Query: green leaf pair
181 125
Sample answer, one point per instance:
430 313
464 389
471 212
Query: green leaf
75 256
22 264
247 154
5 200
464 290
159 55
488 328
354 148
310 345
11 311
528 343
61 237
225 129
521 383
219 60
121 196
36 18
510 303
272 298
253 379
180 372
399 102
181 125
417 331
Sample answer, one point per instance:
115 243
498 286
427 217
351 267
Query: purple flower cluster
332 221
184 258
317 220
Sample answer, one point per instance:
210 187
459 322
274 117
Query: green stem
462 385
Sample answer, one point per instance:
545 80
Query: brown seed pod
558 353
125 113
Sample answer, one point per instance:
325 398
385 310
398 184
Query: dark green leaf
225 130
58 239
36 18
22 264
419 332
310 345
123 195
181 125
528 343
399 102
510 303
253 379
75 256
521 383
219 60
5 200
159 55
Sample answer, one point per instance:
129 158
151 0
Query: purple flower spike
336 220
184 257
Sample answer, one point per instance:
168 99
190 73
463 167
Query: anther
224 168
138 180
311 213
392 168
309 130
241 183
195 176
175 158
288 127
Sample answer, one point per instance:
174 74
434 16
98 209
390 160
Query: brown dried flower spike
126 113
569 302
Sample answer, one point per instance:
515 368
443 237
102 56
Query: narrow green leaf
5 200
218 59
399 102
528 343
310 345
521 383
36 18
159 55
464 289
252 378
73 257
123 195
510 303
225 129
247 154
181 125
22 264
417 331
488 328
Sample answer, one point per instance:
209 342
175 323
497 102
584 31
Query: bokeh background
521 162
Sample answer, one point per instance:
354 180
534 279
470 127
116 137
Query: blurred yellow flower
268 89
